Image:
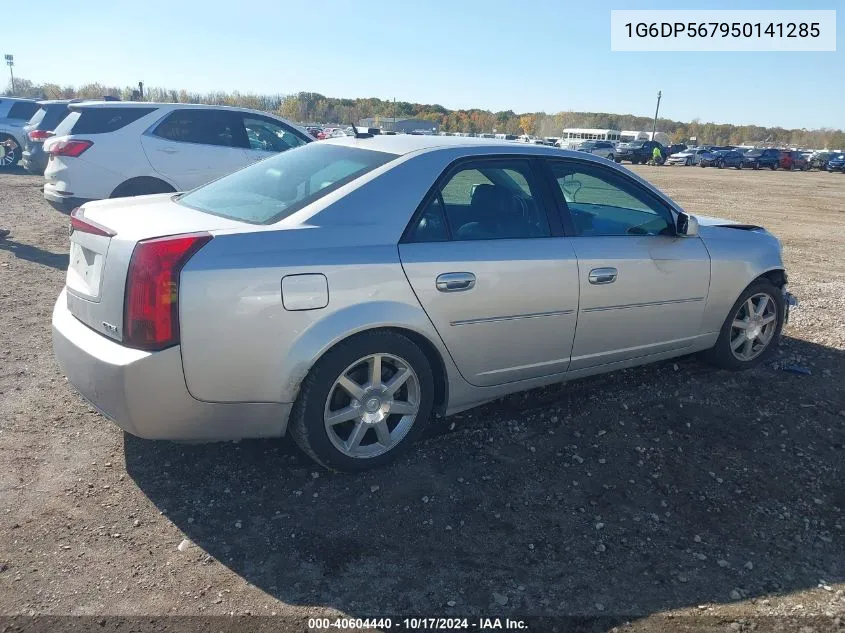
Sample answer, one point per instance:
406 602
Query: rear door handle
603 275
168 150
455 282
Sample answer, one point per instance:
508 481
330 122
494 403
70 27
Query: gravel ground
668 490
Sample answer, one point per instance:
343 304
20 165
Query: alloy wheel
9 155
754 326
372 405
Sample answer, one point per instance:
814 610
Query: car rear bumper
144 393
63 201
34 159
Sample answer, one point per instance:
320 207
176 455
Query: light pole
10 61
654 124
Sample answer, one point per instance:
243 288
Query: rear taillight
39 135
151 303
80 223
72 148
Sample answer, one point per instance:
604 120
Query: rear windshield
22 110
273 189
49 116
100 120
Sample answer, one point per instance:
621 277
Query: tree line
312 107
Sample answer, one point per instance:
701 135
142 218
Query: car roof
24 99
162 104
406 143
59 101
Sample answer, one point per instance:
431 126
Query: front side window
484 200
602 202
267 135
202 126
273 189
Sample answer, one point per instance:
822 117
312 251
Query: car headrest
493 197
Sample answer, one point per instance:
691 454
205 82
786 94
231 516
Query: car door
193 146
495 276
642 287
267 137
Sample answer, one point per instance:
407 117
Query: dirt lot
673 488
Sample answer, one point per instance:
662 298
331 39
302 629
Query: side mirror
687 225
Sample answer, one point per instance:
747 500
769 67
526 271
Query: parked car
39 128
636 151
689 156
605 149
757 158
819 160
720 158
14 114
117 149
793 160
836 163
473 285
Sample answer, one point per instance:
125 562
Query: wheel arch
140 182
327 334
432 354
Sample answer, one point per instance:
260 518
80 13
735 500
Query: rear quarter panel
239 342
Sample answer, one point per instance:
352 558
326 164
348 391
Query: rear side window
204 127
23 110
277 187
485 200
100 120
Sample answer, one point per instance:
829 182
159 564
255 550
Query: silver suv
605 149
14 114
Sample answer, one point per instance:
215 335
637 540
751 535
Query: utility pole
654 124
10 61
394 114
141 89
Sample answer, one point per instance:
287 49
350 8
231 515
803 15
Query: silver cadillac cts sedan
349 290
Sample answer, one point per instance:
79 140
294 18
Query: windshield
273 189
636 144
587 144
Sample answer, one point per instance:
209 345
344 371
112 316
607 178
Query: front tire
610 157
752 329
720 164
364 402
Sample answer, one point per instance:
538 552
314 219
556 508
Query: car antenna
358 134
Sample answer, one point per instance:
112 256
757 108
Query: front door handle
455 282
603 275
168 150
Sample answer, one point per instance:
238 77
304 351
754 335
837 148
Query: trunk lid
100 252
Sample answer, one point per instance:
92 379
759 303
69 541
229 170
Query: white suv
117 149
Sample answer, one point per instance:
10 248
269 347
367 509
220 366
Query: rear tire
730 349
11 156
720 164
369 435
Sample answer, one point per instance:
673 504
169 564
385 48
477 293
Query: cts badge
109 327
